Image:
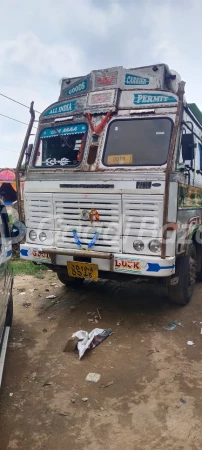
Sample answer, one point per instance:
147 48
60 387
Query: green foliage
28 268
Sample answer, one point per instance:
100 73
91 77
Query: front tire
182 292
69 281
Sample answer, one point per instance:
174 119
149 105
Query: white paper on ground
190 343
93 377
85 339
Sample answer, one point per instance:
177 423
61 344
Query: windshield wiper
63 138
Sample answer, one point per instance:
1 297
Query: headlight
33 235
42 236
138 246
155 246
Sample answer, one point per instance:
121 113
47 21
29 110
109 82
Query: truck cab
111 161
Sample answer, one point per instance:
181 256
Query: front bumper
149 266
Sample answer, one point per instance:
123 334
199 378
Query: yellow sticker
119 159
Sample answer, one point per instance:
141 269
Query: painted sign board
135 80
71 129
77 88
106 79
152 77
102 100
150 98
134 99
74 87
67 107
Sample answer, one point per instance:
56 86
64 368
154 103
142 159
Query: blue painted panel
134 80
150 98
71 129
62 108
78 87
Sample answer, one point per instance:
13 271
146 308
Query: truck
113 181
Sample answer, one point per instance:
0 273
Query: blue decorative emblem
91 243
155 267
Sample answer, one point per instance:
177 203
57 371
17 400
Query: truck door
5 275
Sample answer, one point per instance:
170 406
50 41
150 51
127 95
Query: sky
43 41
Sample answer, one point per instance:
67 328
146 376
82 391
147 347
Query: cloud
44 41
95 18
29 53
9 149
30 70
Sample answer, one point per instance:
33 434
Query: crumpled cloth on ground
90 340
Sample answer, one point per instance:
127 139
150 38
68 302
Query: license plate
120 159
82 270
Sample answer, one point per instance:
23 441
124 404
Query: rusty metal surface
80 253
175 135
107 176
78 92
98 165
156 76
20 160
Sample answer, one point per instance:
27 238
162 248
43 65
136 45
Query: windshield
61 146
138 142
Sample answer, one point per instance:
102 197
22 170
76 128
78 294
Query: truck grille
38 211
142 215
122 218
68 210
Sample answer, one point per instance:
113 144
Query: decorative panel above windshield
61 146
137 142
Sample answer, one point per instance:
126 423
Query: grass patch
11 219
28 268
39 275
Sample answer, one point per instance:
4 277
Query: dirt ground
155 400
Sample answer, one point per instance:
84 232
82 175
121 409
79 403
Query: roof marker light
142 111
62 119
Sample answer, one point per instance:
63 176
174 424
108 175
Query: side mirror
18 232
188 147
